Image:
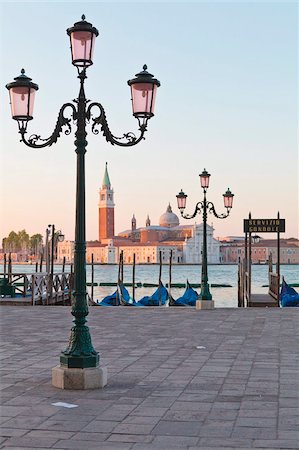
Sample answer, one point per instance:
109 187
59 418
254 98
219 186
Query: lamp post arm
198 207
35 141
130 138
211 210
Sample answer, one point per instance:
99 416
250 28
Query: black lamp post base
79 362
80 353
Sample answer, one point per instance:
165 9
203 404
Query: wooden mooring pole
133 280
92 275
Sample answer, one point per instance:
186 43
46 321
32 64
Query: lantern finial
83 17
22 71
144 67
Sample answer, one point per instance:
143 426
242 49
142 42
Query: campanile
106 209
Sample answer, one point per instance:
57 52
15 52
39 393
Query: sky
227 103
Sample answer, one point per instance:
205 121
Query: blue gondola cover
288 295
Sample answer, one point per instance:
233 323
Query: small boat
159 297
110 300
188 298
288 295
125 298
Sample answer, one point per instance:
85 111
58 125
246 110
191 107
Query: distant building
148 242
185 241
232 252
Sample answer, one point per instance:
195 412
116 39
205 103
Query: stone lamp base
205 304
68 378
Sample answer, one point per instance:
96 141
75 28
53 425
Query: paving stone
256 422
254 433
224 443
170 442
62 425
30 442
129 428
130 438
149 411
9 432
92 445
24 422
99 426
278 443
50 434
178 428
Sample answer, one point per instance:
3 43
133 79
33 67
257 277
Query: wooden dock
261 301
36 289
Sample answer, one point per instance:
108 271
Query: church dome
169 219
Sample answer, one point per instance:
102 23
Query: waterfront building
147 242
232 251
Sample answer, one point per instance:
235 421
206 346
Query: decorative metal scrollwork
35 141
101 120
211 209
205 207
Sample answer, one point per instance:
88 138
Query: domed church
169 219
148 242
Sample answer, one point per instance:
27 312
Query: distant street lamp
80 352
204 207
57 236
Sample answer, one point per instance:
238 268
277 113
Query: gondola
188 298
159 297
125 298
110 300
288 296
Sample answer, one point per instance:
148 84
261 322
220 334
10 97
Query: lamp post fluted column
80 353
204 207
205 291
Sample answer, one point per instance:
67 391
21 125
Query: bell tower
106 209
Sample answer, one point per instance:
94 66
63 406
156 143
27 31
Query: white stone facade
192 248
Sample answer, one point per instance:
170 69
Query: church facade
149 243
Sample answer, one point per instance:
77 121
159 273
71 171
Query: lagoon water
218 274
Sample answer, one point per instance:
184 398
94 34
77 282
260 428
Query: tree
23 240
10 243
36 244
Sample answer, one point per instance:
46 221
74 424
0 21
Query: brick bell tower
106 209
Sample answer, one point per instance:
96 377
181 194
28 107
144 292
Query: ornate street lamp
80 353
204 207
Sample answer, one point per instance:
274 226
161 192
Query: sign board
264 225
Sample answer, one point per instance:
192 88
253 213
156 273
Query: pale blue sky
227 103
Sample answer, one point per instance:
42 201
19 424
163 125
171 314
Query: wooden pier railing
40 287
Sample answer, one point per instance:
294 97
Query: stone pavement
177 378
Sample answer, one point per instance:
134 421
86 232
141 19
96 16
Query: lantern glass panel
181 202
228 201
22 101
143 98
82 47
204 181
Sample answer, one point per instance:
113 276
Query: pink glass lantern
143 91
22 93
204 179
181 199
82 36
228 199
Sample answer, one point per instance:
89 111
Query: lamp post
57 236
203 208
47 250
80 353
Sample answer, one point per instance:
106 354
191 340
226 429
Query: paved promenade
177 378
